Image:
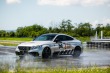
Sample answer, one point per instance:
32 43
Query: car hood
35 43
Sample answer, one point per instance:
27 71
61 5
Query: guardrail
99 45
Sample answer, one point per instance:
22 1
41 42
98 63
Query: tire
46 53
77 52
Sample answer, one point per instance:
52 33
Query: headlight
37 47
17 49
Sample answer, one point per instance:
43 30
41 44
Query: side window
64 38
68 38
60 38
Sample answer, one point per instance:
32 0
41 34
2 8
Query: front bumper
19 53
24 53
23 50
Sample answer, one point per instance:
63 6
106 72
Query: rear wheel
46 53
77 52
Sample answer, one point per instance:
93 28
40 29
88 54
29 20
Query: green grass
13 41
83 39
16 39
8 44
88 70
56 70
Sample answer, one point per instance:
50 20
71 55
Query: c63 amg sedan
51 44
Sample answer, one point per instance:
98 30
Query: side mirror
56 40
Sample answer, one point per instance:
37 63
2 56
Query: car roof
58 34
55 34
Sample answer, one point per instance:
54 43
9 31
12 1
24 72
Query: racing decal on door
60 45
67 46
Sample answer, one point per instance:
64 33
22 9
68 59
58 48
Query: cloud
13 1
57 2
94 2
73 2
104 21
66 2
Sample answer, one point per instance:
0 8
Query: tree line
66 27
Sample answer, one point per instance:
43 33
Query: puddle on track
87 58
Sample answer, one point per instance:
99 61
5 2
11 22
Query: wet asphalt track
89 57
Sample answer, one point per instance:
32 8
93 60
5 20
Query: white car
51 44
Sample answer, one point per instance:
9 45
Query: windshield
46 37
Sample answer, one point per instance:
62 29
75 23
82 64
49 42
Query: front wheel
77 52
46 53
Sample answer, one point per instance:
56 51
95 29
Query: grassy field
8 44
83 39
13 41
56 70
16 39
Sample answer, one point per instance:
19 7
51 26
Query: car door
68 42
59 41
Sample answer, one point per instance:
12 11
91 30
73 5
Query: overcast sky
19 13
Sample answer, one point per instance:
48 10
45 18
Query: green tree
19 32
2 33
11 34
66 26
84 29
30 31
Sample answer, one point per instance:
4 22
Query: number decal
67 46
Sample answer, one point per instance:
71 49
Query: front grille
24 49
